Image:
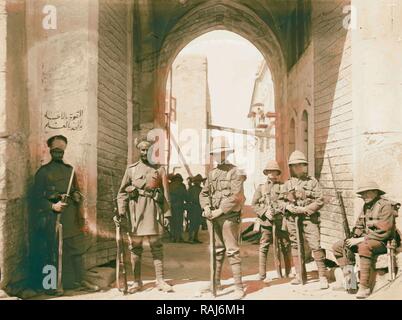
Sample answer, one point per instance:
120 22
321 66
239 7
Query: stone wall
377 95
14 131
113 88
62 88
333 114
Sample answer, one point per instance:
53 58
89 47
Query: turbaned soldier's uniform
143 199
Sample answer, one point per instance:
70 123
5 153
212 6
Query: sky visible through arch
233 63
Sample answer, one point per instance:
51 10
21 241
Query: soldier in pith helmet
266 206
222 199
301 196
374 227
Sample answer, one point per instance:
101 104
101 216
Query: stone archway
231 17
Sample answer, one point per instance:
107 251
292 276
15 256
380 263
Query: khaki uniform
145 208
51 181
266 206
376 223
310 200
224 190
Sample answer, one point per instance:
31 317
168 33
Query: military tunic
266 206
147 205
376 223
224 190
310 201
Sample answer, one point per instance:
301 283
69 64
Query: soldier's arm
122 195
283 198
381 229
165 184
204 195
237 196
41 202
255 202
358 229
318 199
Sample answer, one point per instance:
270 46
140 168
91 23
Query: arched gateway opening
230 17
220 84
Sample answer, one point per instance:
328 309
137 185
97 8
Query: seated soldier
374 227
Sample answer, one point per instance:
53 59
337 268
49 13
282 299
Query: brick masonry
112 118
333 116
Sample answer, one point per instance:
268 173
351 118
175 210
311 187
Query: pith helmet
272 165
369 185
297 157
220 144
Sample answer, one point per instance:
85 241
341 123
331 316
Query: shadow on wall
333 112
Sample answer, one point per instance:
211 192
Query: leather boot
208 288
239 290
136 264
297 279
319 257
364 287
160 282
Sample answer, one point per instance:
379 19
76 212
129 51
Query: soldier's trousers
309 230
136 248
367 249
267 238
226 238
226 231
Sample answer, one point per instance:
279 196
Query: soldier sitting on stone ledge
374 227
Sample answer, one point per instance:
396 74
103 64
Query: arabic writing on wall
55 120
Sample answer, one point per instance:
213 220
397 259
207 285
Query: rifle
300 252
350 279
391 246
121 251
212 248
277 251
300 243
59 234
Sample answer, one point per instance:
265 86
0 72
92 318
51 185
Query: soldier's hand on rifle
354 241
59 206
206 212
212 214
295 209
